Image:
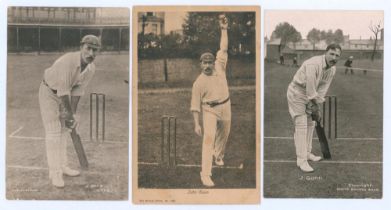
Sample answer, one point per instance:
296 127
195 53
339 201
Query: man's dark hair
333 46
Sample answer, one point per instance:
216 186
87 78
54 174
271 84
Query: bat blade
81 155
324 145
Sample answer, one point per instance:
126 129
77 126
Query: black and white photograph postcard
196 105
67 132
323 104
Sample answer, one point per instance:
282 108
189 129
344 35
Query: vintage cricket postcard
323 104
67 103
196 104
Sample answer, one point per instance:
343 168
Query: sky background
353 23
174 20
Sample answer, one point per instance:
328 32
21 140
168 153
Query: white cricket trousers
56 138
304 131
217 126
304 125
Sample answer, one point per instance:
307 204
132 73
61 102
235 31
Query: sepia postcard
323 104
196 83
67 103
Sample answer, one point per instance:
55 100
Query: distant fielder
210 91
348 65
305 94
61 88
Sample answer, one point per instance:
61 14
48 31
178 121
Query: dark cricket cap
207 57
91 41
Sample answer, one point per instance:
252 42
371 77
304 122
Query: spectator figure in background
348 65
295 62
281 59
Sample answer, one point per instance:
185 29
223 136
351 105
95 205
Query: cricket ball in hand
223 19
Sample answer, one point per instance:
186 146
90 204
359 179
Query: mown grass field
241 146
27 176
355 170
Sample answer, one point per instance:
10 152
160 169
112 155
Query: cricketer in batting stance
305 94
210 91
61 88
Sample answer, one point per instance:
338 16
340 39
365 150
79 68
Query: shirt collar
214 73
324 64
79 64
79 59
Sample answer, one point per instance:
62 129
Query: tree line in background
288 33
201 33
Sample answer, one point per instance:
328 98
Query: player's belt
216 103
46 84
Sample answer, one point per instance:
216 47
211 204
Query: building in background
151 23
61 28
303 49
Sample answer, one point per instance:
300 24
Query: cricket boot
313 157
57 180
219 162
305 167
207 181
70 172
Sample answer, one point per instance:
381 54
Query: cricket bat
79 149
324 145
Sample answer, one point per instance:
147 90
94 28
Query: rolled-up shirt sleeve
311 81
196 98
221 60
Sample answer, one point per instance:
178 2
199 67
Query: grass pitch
241 145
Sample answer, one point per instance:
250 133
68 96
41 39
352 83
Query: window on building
150 13
154 28
24 12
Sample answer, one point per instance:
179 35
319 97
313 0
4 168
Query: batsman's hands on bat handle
317 116
198 130
311 108
73 124
223 21
69 122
